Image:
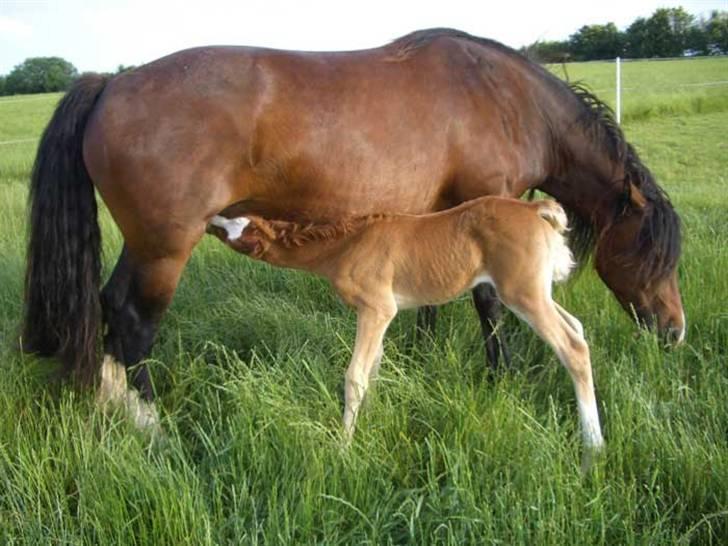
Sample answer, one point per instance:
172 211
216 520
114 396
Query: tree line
42 75
668 32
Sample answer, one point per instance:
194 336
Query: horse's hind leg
489 310
134 300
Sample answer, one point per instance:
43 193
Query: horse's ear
636 197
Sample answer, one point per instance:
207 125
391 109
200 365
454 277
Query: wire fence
620 88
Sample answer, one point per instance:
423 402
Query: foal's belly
437 295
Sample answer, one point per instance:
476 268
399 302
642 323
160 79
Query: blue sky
101 34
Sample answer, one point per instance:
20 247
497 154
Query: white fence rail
618 64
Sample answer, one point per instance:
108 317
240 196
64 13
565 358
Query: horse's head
636 256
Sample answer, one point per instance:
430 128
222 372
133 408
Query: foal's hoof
591 457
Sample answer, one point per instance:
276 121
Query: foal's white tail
561 257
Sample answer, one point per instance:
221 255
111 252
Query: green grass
249 367
22 120
657 88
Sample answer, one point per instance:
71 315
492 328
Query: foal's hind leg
489 310
134 300
571 319
565 338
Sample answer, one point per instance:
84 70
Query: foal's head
251 235
636 256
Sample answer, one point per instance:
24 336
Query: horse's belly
345 184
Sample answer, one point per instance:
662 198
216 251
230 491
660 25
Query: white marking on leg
143 414
113 382
233 226
590 427
114 391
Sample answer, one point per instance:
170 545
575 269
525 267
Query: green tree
697 38
40 75
717 32
592 42
636 39
2 86
665 34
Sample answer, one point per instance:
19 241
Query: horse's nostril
674 335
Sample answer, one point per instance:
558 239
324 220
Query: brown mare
429 121
385 263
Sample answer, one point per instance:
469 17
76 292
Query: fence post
619 90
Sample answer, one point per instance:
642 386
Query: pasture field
656 87
249 369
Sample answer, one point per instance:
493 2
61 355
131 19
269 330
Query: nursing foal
380 264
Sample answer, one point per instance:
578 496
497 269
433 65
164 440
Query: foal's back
431 259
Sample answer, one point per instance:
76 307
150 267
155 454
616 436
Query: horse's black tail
63 276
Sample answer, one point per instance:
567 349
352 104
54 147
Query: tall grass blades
249 368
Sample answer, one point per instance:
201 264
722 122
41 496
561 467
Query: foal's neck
311 247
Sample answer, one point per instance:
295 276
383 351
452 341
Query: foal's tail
62 279
561 257
554 214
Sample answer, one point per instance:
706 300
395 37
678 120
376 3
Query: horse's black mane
657 248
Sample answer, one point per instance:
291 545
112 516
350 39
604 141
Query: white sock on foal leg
591 430
591 433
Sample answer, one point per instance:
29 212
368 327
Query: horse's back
408 127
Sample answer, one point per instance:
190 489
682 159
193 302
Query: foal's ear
636 197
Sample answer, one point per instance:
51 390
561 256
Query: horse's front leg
372 323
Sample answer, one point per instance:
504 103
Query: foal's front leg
371 325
